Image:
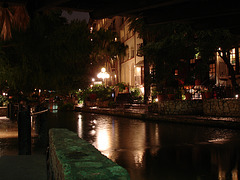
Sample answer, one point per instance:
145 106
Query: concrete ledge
70 157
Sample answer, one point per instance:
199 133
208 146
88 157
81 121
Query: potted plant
104 95
188 95
206 93
122 86
161 96
171 93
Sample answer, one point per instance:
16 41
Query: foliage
100 92
135 92
166 45
12 17
121 86
3 100
105 49
51 54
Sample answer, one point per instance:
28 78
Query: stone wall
3 111
70 157
172 107
209 107
222 107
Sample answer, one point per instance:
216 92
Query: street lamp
103 74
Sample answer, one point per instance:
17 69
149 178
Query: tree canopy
106 48
50 54
168 45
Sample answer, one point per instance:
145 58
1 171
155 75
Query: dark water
151 150
159 151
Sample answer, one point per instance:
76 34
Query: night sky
76 15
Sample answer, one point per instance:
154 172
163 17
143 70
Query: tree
15 17
106 49
164 46
174 45
168 44
148 34
50 54
220 41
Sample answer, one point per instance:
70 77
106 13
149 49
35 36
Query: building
128 69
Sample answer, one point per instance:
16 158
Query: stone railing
70 157
222 107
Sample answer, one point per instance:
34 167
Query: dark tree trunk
237 60
146 78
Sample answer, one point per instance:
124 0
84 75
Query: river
150 150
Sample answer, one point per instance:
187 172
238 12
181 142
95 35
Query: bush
3 100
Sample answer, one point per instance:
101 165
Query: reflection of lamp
103 74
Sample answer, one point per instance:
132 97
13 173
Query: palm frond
20 18
6 21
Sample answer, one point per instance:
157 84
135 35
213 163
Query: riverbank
143 114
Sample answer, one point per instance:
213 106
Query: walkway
23 167
14 166
141 112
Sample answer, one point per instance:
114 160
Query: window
233 58
132 52
192 61
212 71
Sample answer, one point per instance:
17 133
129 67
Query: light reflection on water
151 150
164 151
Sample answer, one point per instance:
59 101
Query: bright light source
236 96
103 74
103 70
142 89
93 79
138 69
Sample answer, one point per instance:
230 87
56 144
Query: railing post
24 133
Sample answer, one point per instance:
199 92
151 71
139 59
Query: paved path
23 167
18 167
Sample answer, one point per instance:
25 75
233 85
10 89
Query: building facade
128 69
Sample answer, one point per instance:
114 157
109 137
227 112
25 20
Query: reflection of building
128 69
